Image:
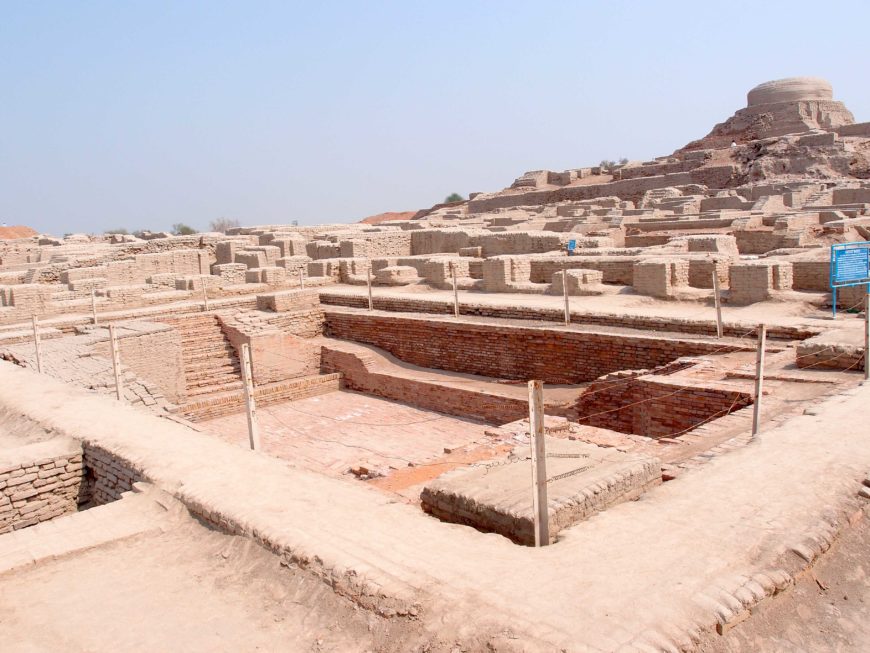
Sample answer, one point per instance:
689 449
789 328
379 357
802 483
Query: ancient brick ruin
389 361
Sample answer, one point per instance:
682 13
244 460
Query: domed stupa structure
791 89
792 105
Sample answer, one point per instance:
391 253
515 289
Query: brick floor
332 433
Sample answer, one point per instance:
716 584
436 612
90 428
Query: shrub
181 229
222 224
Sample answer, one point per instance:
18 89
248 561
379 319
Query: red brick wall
652 407
510 352
441 307
462 402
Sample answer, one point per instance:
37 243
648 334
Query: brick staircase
211 364
227 403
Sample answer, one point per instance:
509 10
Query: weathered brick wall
228 403
106 475
39 482
811 275
758 242
373 245
654 407
462 402
825 352
436 307
616 269
510 352
153 352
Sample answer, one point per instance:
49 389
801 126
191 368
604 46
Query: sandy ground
190 589
16 430
828 610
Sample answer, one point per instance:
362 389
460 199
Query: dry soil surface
190 589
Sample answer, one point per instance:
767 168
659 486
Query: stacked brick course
512 352
39 482
654 407
646 323
465 401
228 403
107 475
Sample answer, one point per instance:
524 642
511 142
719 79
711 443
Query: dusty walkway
190 589
654 570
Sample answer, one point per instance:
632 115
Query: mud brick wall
758 242
701 272
228 403
106 475
181 262
436 307
816 276
822 353
461 402
153 354
510 352
375 245
616 270
654 408
811 275
39 482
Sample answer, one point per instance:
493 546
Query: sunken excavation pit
45 474
431 408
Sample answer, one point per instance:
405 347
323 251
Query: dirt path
191 589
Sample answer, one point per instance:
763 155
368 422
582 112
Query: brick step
198 355
229 402
204 390
209 334
224 348
211 374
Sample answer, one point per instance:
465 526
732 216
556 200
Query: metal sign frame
850 266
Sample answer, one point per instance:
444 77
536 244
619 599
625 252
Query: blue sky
143 114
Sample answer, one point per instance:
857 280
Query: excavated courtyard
318 438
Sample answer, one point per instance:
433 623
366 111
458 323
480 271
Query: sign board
572 245
850 266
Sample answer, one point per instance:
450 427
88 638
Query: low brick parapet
38 482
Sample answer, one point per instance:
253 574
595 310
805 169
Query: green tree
181 229
454 197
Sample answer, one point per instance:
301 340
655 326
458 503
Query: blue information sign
572 245
850 266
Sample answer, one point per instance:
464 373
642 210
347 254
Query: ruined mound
20 231
389 216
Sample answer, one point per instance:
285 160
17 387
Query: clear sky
141 114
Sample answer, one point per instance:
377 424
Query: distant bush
181 229
222 224
121 231
623 161
454 197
